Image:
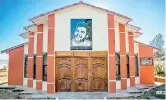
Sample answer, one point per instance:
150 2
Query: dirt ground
3 76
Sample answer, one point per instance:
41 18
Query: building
81 47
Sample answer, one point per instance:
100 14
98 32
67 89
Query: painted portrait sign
81 34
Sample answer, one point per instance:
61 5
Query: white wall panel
136 47
35 42
118 84
45 37
26 48
128 82
99 27
44 86
34 84
117 42
137 80
127 42
25 81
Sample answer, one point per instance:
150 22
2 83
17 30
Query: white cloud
3 56
100 3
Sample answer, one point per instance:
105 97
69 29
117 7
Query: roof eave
146 45
106 10
11 48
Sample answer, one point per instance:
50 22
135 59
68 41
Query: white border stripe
30 78
38 80
131 56
30 36
111 54
111 28
39 32
123 78
130 35
112 80
39 56
30 57
50 54
50 83
51 28
132 76
122 55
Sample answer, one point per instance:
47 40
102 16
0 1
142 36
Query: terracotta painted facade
51 33
16 62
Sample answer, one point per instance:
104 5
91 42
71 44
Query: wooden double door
81 71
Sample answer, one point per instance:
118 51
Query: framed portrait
81 34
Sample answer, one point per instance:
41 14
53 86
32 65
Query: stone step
24 93
17 90
135 92
8 88
129 97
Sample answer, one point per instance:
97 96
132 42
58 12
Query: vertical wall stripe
51 59
35 42
39 58
111 51
117 42
123 68
131 58
127 42
30 60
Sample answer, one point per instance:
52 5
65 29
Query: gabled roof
14 47
80 3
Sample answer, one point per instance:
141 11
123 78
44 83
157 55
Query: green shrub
160 70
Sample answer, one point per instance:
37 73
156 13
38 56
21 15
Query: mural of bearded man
81 35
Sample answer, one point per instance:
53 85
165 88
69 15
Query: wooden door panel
99 74
81 71
64 73
81 74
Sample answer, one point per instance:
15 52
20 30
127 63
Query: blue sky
14 15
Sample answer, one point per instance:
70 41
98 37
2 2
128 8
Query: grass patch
3 83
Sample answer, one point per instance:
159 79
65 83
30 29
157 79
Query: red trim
14 47
86 4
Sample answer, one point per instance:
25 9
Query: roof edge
147 45
140 33
21 35
80 2
135 26
11 48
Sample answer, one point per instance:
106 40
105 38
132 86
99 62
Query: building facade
80 47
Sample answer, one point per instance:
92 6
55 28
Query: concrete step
8 88
17 90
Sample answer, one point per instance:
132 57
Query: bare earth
3 76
